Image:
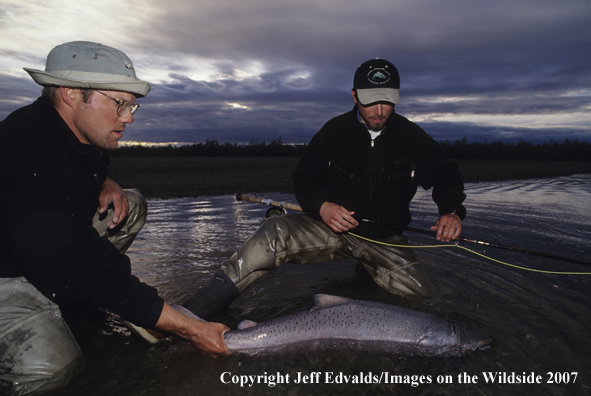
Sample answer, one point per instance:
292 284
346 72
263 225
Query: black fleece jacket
375 179
49 190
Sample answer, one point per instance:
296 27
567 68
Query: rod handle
286 205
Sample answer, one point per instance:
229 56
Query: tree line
213 148
569 150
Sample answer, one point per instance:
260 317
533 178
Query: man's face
375 115
96 121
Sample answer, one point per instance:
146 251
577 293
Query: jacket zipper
371 176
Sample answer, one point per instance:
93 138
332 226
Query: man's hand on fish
337 218
208 337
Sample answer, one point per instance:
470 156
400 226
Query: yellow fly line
297 208
471 251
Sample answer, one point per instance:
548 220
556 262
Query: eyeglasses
123 106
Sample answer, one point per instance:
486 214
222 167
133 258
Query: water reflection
538 322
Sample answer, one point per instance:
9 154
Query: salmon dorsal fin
246 324
326 300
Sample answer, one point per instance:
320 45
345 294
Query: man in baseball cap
67 224
355 181
377 80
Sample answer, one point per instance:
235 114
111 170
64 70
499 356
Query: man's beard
372 126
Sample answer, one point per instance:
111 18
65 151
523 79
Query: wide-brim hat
377 80
87 65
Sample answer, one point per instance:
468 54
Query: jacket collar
89 154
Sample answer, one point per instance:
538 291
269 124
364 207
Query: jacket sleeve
443 175
311 176
61 253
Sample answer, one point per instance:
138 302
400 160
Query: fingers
112 194
448 227
342 223
208 337
104 202
211 342
337 218
120 209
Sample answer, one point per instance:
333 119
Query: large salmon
339 322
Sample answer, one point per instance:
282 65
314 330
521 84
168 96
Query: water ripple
538 322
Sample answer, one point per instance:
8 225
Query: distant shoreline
183 177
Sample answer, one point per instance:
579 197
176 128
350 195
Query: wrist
454 213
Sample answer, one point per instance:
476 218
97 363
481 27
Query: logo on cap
378 76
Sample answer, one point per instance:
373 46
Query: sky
246 71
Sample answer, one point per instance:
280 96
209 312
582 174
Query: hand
208 337
337 218
448 227
111 193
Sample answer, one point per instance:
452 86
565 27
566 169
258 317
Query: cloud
236 71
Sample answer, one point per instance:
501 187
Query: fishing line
471 251
279 208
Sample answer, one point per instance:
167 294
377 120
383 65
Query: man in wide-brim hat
66 225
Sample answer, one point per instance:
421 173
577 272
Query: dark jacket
50 185
377 180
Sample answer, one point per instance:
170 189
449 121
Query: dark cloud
16 92
455 58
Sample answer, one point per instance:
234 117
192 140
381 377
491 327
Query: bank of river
185 177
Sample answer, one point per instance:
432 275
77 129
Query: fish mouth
478 341
485 342
483 347
471 339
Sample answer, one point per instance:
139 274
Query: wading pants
301 239
37 349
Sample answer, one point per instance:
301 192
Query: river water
538 322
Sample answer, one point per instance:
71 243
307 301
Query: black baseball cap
377 80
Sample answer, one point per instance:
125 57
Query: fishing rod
492 244
286 205
298 208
